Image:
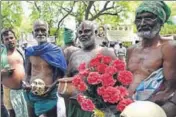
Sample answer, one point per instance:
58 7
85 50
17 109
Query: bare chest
41 69
79 58
38 63
15 58
147 60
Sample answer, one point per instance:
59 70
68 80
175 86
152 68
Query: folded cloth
51 53
42 104
19 103
61 110
69 36
149 86
6 98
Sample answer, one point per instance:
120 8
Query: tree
93 10
12 15
51 11
55 12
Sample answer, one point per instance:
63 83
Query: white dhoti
61 110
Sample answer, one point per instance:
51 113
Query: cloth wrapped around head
159 8
69 35
143 109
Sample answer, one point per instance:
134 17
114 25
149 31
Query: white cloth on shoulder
61 109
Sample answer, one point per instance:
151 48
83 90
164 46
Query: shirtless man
45 64
150 55
13 99
87 33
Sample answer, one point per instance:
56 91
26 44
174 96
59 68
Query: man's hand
6 72
26 86
169 109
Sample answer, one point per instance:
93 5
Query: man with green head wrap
158 8
69 37
69 31
152 61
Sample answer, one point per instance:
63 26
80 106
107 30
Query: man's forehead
40 24
86 25
9 34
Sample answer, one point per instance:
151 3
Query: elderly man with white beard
152 61
45 64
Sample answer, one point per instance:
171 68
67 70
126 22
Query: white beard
41 39
87 43
150 34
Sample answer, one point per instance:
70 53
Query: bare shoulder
131 48
69 51
169 48
169 44
108 52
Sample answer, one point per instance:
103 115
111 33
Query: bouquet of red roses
103 83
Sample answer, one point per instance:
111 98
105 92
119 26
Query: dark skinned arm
169 66
26 82
129 51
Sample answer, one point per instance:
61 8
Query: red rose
87 105
125 77
82 67
111 70
79 83
107 80
106 59
123 103
119 65
101 68
94 62
123 91
94 78
84 73
80 98
111 95
82 86
76 80
100 90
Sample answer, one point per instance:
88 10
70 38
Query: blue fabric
51 53
149 86
42 104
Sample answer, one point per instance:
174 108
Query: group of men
33 78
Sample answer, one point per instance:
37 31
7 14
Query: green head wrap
69 35
159 8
